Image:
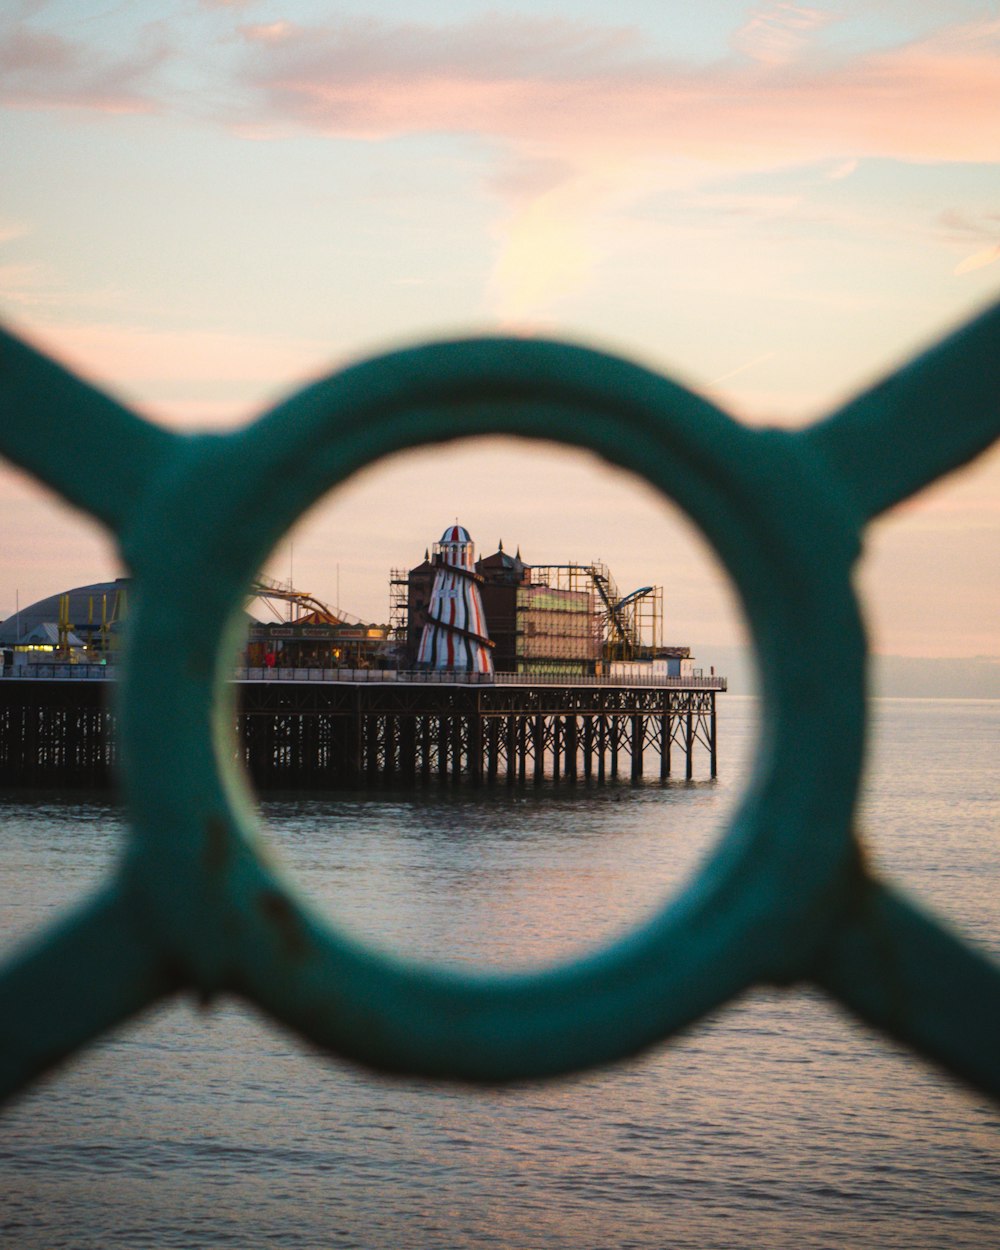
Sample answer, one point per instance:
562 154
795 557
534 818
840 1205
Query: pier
342 729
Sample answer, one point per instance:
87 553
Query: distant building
81 625
84 625
668 662
502 576
308 642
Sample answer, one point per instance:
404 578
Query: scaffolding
630 626
399 605
556 631
568 618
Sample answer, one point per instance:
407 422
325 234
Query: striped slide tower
455 636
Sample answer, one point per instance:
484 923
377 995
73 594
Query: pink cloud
778 34
141 361
965 228
979 260
24 284
962 227
551 85
268 32
41 69
12 230
589 115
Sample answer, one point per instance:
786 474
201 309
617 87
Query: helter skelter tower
455 637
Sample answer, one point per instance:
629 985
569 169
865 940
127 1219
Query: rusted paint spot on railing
281 917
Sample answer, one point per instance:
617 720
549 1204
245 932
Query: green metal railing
785 897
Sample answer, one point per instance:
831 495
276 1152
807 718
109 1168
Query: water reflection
511 876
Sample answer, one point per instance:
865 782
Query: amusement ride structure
455 636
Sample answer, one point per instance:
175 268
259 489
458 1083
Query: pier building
80 625
454 637
83 626
491 671
556 620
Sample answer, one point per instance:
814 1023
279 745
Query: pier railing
788 896
437 678
380 676
401 676
60 672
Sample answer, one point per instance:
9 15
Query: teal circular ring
759 906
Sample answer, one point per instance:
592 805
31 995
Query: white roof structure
85 611
46 634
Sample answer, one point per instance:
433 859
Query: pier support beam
638 735
713 747
538 736
339 734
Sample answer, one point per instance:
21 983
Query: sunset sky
206 203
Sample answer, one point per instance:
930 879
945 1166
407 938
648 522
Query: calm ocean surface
778 1124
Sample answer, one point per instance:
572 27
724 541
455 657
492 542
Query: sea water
780 1122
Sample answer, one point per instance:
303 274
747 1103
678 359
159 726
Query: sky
207 203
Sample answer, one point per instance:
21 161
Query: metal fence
787 895
60 672
436 677
366 676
